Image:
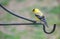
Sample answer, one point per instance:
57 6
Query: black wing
42 18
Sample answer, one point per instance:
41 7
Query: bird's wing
38 16
42 18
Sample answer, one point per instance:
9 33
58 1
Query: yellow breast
37 19
39 13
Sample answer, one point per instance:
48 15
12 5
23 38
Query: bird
39 16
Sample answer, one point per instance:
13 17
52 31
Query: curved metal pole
12 13
51 31
21 24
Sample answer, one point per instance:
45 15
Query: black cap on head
33 10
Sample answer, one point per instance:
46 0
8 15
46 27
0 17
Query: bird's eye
33 10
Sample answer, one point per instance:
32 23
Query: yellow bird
39 16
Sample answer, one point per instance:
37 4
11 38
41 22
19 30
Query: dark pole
10 12
22 24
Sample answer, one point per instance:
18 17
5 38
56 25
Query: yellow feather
38 12
37 19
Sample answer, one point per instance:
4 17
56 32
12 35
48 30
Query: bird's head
35 10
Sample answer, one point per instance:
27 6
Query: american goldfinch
39 16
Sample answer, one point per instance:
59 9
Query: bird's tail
45 23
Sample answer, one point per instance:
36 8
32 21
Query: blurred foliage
40 0
58 23
8 17
20 0
55 10
7 36
39 34
58 37
4 2
13 29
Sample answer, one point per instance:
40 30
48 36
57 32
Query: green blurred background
51 9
